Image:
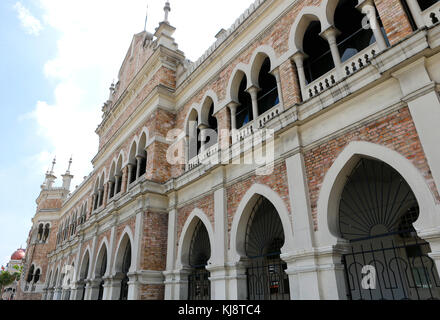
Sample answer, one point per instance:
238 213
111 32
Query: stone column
253 91
276 74
100 194
130 173
299 58
237 281
416 12
330 35
171 250
233 107
107 288
124 187
94 289
138 167
202 128
115 287
419 92
117 181
367 7
110 186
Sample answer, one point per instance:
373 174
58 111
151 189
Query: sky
58 59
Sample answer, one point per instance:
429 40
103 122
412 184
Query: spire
70 163
146 19
53 165
67 177
167 10
50 177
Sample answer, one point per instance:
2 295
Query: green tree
7 278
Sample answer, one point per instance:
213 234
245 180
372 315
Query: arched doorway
266 276
126 264
388 260
101 270
199 286
84 273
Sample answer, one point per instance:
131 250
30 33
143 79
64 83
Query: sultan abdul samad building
340 98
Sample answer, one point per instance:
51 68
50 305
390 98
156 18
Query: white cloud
31 24
94 38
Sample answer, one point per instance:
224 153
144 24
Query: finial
146 18
70 163
53 164
167 10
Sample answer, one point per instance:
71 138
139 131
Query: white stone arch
193 110
302 21
235 80
119 253
336 176
56 276
147 138
49 276
111 172
257 59
241 217
132 151
103 245
330 7
205 105
187 233
82 265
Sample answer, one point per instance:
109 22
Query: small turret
50 177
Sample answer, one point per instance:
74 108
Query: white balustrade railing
431 16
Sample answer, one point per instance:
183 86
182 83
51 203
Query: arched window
30 274
244 110
46 232
142 156
266 276
118 176
126 264
132 164
268 95
377 210
37 276
353 37
194 136
40 232
199 286
210 133
319 58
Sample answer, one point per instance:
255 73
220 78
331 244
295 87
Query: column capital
364 4
330 33
233 105
253 89
299 57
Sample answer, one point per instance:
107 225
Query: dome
18 255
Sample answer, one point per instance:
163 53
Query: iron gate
267 279
391 267
199 286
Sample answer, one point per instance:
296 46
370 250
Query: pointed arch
84 267
299 27
102 251
257 59
336 176
241 217
193 115
125 239
187 233
240 71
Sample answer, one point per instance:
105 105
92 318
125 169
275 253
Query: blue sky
58 59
